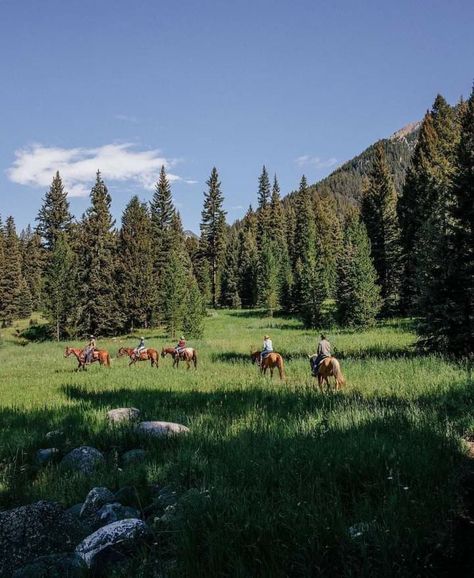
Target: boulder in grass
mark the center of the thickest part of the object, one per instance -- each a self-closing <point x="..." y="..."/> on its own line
<point x="133" y="457"/>
<point x="55" y="435"/>
<point x="113" y="543"/>
<point x="114" y="512"/>
<point x="55" y="566"/>
<point x="123" y="415"/>
<point x="83" y="459"/>
<point x="38" y="529"/>
<point x="45" y="456"/>
<point x="94" y="501"/>
<point x="161" y="428"/>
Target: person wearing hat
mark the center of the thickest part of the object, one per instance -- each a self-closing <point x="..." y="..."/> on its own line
<point x="140" y="347"/>
<point x="267" y="346"/>
<point x="90" y="348"/>
<point x="181" y="345"/>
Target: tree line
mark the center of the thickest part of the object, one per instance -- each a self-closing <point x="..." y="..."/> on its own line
<point x="407" y="252"/>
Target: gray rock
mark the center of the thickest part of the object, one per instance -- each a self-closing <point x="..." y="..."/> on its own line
<point x="54" y="435"/>
<point x="83" y="459"/>
<point x="35" y="530"/>
<point x="161" y="428"/>
<point x="112" y="542"/>
<point x="45" y="456"/>
<point x="115" y="512"/>
<point x="123" y="414"/>
<point x="94" y="501"/>
<point x="55" y="566"/>
<point x="133" y="457"/>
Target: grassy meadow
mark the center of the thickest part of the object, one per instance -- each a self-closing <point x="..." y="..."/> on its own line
<point x="275" y="479"/>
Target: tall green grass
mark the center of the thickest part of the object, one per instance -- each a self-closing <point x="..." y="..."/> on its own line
<point x="275" y="479"/>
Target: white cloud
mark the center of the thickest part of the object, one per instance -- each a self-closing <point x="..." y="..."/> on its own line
<point x="317" y="162"/>
<point x="35" y="166"/>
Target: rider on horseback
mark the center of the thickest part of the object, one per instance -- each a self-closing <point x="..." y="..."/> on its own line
<point x="324" y="350"/>
<point x="140" y="347"/>
<point x="89" y="350"/>
<point x="267" y="347"/>
<point x="181" y="346"/>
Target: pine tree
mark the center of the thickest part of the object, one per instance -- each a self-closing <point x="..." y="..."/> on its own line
<point x="161" y="212"/>
<point x="309" y="291"/>
<point x="447" y="296"/>
<point x="379" y="212"/>
<point x="173" y="293"/>
<point x="12" y="281"/>
<point x="264" y="209"/>
<point x="459" y="330"/>
<point x="33" y="264"/>
<point x="414" y="208"/>
<point x="230" y="274"/>
<point x="2" y="266"/>
<point x="54" y="217"/>
<point x="213" y="232"/>
<point x="98" y="292"/>
<point x="358" y="295"/>
<point x="328" y="241"/>
<point x="248" y="260"/>
<point x="137" y="284"/>
<point x="194" y="311"/>
<point x="59" y="282"/>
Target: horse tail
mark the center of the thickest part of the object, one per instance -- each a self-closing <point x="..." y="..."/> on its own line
<point x="107" y="359"/>
<point x="336" y="369"/>
<point x="195" y="359"/>
<point x="281" y="368"/>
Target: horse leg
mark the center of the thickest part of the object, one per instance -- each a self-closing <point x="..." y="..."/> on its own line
<point x="271" y="372"/>
<point x="320" y="383"/>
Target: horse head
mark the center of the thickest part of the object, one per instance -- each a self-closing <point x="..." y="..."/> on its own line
<point x="67" y="352"/>
<point x="121" y="352"/>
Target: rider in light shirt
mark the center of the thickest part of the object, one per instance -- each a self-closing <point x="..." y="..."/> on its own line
<point x="267" y="346"/>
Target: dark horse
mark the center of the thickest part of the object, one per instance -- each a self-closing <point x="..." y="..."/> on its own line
<point x="100" y="355"/>
<point x="189" y="355"/>
<point x="145" y="355"/>
<point x="270" y="361"/>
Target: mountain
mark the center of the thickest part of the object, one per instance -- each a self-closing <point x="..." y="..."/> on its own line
<point x="346" y="182"/>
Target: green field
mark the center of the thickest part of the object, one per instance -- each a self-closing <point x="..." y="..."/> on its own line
<point x="274" y="479"/>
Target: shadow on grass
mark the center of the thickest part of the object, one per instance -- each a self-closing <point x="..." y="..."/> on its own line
<point x="296" y="486"/>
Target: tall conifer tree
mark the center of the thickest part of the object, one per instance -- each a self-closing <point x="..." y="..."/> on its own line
<point x="358" y="295"/>
<point x="137" y="284"/>
<point x="54" y="217"/>
<point x="213" y="232"/>
<point x="98" y="296"/>
<point x="379" y="211"/>
<point x="12" y="283"/>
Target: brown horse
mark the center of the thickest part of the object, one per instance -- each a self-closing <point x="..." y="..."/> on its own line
<point x="189" y="355"/>
<point x="329" y="367"/>
<point x="100" y="355"/>
<point x="270" y="361"/>
<point x="145" y="355"/>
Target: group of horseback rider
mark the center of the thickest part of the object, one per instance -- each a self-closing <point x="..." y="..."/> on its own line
<point x="323" y="351"/>
<point x="139" y="349"/>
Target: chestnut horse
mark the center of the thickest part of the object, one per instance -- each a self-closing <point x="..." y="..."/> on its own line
<point x="189" y="355"/>
<point x="270" y="361"/>
<point x="100" y="355"/>
<point x="329" y="367"/>
<point x="145" y="355"/>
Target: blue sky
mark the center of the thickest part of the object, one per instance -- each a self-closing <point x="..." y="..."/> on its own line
<point x="299" y="86"/>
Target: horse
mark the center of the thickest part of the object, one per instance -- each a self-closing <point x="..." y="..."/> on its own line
<point x="329" y="367"/>
<point x="100" y="355"/>
<point x="189" y="355"/>
<point x="145" y="355"/>
<point x="270" y="361"/>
